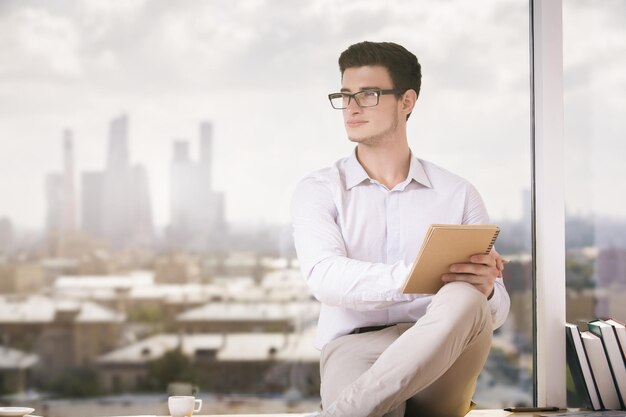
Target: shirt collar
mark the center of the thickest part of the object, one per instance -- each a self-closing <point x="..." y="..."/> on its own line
<point x="417" y="172"/>
<point x="355" y="173"/>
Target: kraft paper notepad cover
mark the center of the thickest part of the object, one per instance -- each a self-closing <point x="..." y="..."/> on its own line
<point x="444" y="245"/>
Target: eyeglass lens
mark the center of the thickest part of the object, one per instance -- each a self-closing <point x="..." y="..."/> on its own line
<point x="362" y="98"/>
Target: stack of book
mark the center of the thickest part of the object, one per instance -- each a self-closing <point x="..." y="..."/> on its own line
<point x="597" y="362"/>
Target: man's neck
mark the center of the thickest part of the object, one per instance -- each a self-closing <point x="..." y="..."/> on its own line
<point x="388" y="164"/>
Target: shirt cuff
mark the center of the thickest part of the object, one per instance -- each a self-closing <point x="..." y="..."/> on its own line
<point x="495" y="300"/>
<point x="499" y="304"/>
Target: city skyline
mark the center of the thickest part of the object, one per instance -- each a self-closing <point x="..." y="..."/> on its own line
<point x="195" y="119"/>
<point x="264" y="91"/>
<point x="113" y="205"/>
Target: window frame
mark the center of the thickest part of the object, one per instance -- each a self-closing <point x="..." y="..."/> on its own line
<point x="548" y="201"/>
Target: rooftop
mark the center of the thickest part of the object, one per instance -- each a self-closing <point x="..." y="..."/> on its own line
<point x="154" y="347"/>
<point x="263" y="311"/>
<point x="228" y="347"/>
<point x="16" y="359"/>
<point x="284" y="285"/>
<point x="131" y="280"/>
<point x="41" y="309"/>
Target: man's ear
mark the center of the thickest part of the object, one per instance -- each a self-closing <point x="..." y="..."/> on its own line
<point x="409" y="98"/>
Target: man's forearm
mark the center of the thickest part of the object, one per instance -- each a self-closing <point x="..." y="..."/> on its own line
<point x="358" y="285"/>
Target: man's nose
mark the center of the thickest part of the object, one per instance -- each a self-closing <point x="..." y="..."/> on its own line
<point x="353" y="108"/>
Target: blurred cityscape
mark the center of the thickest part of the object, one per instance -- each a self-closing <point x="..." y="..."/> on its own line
<point x="103" y="307"/>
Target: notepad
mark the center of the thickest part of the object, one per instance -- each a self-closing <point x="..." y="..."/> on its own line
<point x="444" y="245"/>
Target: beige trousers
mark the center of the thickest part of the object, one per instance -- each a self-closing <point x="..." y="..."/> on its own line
<point x="428" y="368"/>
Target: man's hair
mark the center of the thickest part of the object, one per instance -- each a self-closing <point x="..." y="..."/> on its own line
<point x="403" y="67"/>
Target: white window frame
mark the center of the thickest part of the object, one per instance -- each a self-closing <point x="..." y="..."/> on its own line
<point x="548" y="202"/>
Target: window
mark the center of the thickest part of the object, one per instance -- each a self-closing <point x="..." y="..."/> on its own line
<point x="191" y="186"/>
<point x="595" y="128"/>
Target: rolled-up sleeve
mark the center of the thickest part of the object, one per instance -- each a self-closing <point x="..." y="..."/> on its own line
<point x="333" y="278"/>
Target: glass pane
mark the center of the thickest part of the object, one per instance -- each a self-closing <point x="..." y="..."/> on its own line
<point x="594" y="41"/>
<point x="149" y="153"/>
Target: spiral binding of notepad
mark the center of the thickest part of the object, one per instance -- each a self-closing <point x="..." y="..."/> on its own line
<point x="493" y="241"/>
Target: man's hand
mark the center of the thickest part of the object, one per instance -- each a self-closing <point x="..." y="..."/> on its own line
<point x="481" y="272"/>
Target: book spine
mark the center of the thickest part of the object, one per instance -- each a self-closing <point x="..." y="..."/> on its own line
<point x="580" y="359"/>
<point x="614" y="359"/>
<point x="575" y="370"/>
<point x="620" y="335"/>
<point x="493" y="241"/>
<point x="601" y="371"/>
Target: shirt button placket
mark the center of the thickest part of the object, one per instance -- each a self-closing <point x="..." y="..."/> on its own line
<point x="393" y="228"/>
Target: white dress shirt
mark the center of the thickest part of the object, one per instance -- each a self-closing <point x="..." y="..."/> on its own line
<point x="356" y="241"/>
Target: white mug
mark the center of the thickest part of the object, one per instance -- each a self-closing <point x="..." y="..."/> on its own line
<point x="183" y="405"/>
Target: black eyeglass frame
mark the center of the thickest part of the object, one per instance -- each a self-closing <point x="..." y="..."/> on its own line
<point x="378" y="92"/>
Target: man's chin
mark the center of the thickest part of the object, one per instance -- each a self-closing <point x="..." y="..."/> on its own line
<point x="364" y="140"/>
<point x="355" y="137"/>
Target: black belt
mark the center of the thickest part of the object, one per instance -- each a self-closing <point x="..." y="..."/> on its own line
<point x="370" y="329"/>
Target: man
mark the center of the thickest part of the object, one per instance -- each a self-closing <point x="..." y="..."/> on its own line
<point x="358" y="226"/>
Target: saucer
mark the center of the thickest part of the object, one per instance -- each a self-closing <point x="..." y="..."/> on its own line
<point x="15" y="411"/>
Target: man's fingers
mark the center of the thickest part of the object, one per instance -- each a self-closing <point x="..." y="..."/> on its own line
<point x="470" y="278"/>
<point x="480" y="272"/>
<point x="476" y="269"/>
<point x="500" y="264"/>
<point x="483" y="259"/>
<point x="483" y="283"/>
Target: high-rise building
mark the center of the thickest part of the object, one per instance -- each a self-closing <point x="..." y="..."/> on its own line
<point x="206" y="152"/>
<point x="61" y="200"/>
<point x="92" y="207"/>
<point x="141" y="209"/>
<point x="69" y="195"/>
<point x="182" y="185"/>
<point x="118" y="190"/>
<point x="54" y="192"/>
<point x="6" y="234"/>
<point x="118" y="155"/>
<point x="197" y="212"/>
<point x="116" y="202"/>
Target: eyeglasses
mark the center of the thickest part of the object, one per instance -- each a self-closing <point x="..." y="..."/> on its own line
<point x="365" y="98"/>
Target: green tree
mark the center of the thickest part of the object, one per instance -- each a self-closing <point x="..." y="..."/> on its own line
<point x="146" y="314"/>
<point x="579" y="273"/>
<point x="76" y="382"/>
<point x="173" y="366"/>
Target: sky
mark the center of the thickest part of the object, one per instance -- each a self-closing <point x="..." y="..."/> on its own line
<point x="259" y="71"/>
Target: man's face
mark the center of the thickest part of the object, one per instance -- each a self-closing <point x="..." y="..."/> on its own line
<point x="370" y="125"/>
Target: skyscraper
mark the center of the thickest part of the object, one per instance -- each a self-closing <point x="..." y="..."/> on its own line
<point x="61" y="200"/>
<point x="182" y="185"/>
<point x="197" y="212"/>
<point x="206" y="153"/>
<point x="54" y="192"/>
<point x="6" y="234"/>
<point x="118" y="192"/>
<point x="118" y="155"/>
<point x="116" y="202"/>
<point x="92" y="203"/>
<point x="141" y="209"/>
<point x="69" y="195"/>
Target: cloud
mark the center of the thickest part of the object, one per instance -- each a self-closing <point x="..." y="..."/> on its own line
<point x="37" y="44"/>
<point x="260" y="69"/>
<point x="189" y="45"/>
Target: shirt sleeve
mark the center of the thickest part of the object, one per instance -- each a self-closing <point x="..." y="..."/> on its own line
<point x="499" y="304"/>
<point x="476" y="213"/>
<point x="335" y="279"/>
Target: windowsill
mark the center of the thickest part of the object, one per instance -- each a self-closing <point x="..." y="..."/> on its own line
<point x="473" y="413"/>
